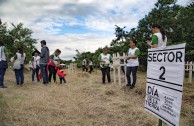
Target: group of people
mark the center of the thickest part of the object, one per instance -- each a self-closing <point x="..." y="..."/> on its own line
<point x="47" y="64"/>
<point x="85" y="65"/>
<point x="158" y="40"/>
<point x="44" y="62"/>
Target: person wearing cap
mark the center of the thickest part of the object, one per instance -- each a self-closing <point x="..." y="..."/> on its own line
<point x="44" y="60"/>
<point x="35" y="65"/>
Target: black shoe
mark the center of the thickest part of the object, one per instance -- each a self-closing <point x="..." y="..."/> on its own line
<point x="3" y="87"/>
<point x="128" y="85"/>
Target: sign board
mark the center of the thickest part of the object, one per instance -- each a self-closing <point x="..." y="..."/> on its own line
<point x="165" y="75"/>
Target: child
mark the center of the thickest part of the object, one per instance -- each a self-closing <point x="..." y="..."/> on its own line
<point x="61" y="75"/>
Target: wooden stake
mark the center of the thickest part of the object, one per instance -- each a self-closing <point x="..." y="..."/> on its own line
<point x="119" y="74"/>
<point x="190" y="71"/>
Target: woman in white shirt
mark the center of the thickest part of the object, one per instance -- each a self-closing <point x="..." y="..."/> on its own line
<point x="104" y="59"/>
<point x="19" y="73"/>
<point x="132" y="63"/>
<point x="53" y="65"/>
<point x="3" y="64"/>
<point x="35" y="65"/>
<point x="159" y="38"/>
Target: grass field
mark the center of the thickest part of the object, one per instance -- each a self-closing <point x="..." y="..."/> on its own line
<point x="84" y="101"/>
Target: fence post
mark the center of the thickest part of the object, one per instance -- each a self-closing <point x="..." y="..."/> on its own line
<point x="187" y="66"/>
<point x="190" y="71"/>
<point x="114" y="70"/>
<point x="125" y="67"/>
<point x="119" y="69"/>
<point x="119" y="74"/>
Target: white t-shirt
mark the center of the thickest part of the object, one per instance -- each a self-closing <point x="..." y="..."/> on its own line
<point x="84" y="62"/>
<point x="105" y="58"/>
<point x="161" y="43"/>
<point x="2" y="53"/>
<point x="132" y="62"/>
<point x="56" y="59"/>
<point x="91" y="63"/>
<point x="20" y="58"/>
<point x="36" y="61"/>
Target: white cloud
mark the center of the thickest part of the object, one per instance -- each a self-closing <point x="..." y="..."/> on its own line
<point x="48" y="18"/>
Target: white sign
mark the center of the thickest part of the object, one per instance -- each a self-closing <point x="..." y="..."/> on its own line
<point x="165" y="75"/>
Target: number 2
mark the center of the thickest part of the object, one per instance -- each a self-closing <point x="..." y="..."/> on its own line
<point x="161" y="76"/>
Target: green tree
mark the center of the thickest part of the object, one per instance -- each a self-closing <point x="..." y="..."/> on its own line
<point x="17" y="36"/>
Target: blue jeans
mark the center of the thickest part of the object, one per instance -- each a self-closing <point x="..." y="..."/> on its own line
<point x="134" y="72"/>
<point x="44" y="72"/>
<point x="2" y="74"/>
<point x="35" y="71"/>
<point x="19" y="74"/>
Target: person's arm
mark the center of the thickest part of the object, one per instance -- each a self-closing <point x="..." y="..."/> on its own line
<point x="32" y="62"/>
<point x="59" y="62"/>
<point x="99" y="59"/>
<point x="154" y="42"/>
<point x="52" y="58"/>
<point x="135" y="56"/>
<point x="43" y="51"/>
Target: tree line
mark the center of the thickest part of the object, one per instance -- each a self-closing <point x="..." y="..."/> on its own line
<point x="178" y="21"/>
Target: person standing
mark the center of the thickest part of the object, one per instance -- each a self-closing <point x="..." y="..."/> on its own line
<point x="159" y="38"/>
<point x="84" y="65"/>
<point x="53" y="65"/>
<point x="132" y="63"/>
<point x="3" y="64"/>
<point x="19" y="73"/>
<point x="35" y="65"/>
<point x="61" y="75"/>
<point x="105" y="58"/>
<point x="91" y="65"/>
<point x="44" y="59"/>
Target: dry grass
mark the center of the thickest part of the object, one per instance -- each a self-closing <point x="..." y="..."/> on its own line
<point x="84" y="101"/>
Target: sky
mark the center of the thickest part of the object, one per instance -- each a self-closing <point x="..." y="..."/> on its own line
<point x="70" y="25"/>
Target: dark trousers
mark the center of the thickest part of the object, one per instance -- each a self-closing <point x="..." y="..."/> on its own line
<point x="134" y="74"/>
<point x="84" y="68"/>
<point x="35" y="71"/>
<point x="52" y="72"/>
<point x="123" y="69"/>
<point x="62" y="79"/>
<point x="105" y="72"/>
<point x="19" y="74"/>
<point x="43" y="68"/>
<point x="2" y="74"/>
<point x="91" y="69"/>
